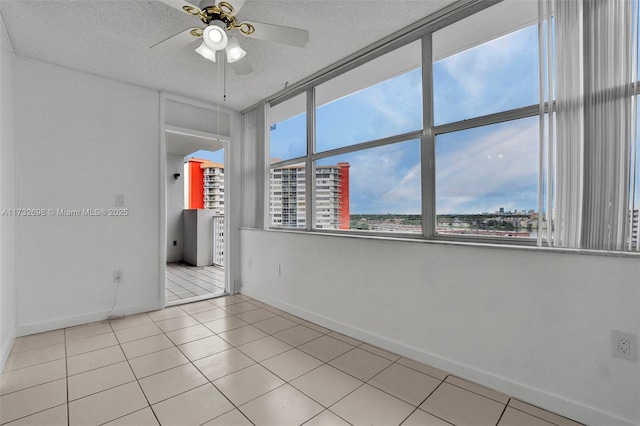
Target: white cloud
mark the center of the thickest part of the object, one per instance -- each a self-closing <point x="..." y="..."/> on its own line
<point x="406" y="195"/>
<point x="398" y="104"/>
<point x="501" y="165"/>
<point x="483" y="79"/>
<point x="385" y="179"/>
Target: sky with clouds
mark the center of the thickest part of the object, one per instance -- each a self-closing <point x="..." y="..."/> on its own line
<point x="477" y="170"/>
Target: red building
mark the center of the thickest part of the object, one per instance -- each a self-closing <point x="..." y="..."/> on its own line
<point x="205" y="185"/>
<point x="344" y="196"/>
<point x="195" y="173"/>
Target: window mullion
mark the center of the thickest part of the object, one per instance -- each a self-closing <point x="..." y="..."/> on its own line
<point x="486" y="120"/>
<point x="310" y="181"/>
<point x="368" y="145"/>
<point x="427" y="145"/>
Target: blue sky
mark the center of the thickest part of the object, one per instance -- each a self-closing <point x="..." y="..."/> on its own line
<point x="477" y="170"/>
<point x="215" y="156"/>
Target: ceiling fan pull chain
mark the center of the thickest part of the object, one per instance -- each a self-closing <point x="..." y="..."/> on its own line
<point x="218" y="95"/>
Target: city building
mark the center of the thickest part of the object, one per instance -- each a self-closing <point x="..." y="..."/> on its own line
<point x="287" y="202"/>
<point x="204" y="189"/>
<point x="204" y="181"/>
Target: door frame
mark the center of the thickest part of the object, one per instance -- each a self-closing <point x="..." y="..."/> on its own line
<point x="231" y="183"/>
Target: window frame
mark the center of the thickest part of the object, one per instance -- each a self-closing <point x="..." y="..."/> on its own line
<point x="422" y="30"/>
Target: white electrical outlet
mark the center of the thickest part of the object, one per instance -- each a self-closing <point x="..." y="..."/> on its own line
<point x="278" y="271"/>
<point x="624" y="345"/>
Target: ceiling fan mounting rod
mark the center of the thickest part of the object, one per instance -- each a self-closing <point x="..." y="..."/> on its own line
<point x="222" y="12"/>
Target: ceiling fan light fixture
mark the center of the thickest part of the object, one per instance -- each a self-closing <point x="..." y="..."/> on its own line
<point x="234" y="51"/>
<point x="207" y="53"/>
<point x="215" y="36"/>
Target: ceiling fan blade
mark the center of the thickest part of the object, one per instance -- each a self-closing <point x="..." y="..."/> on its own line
<point x="279" y="34"/>
<point x="180" y="5"/>
<point x="242" y="67"/>
<point x="175" y="42"/>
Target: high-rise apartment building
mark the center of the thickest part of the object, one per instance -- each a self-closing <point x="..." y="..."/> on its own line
<point x="205" y="181"/>
<point x="205" y="190"/>
<point x="214" y="186"/>
<point x="288" y="205"/>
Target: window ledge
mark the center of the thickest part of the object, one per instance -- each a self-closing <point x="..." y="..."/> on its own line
<point x="447" y="242"/>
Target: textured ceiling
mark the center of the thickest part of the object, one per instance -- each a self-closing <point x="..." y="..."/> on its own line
<point x="111" y="38"/>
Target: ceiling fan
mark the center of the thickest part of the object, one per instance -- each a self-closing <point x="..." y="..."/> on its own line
<point x="220" y="18"/>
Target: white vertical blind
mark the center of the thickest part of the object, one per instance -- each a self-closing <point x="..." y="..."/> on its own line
<point x="253" y="170"/>
<point x="592" y="145"/>
<point x="570" y="124"/>
<point x="608" y="41"/>
<point x="634" y="173"/>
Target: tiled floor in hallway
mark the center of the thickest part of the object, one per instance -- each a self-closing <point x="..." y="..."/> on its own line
<point x="184" y="282"/>
<point x="235" y="361"/>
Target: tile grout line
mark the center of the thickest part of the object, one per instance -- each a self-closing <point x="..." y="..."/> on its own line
<point x="136" y="380"/>
<point x="428" y="396"/>
<point x="66" y="371"/>
<point x="189" y="362"/>
<point x="188" y="274"/>
<point x="192" y="362"/>
<point x="538" y="417"/>
<point x="256" y="362"/>
<point x="502" y="413"/>
<point x="40" y="384"/>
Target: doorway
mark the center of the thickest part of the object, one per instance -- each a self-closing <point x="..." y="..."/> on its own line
<point x="195" y="255"/>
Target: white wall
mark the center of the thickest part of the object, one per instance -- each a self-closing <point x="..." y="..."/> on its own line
<point x="198" y="247"/>
<point x="175" y="205"/>
<point x="532" y="323"/>
<point x="7" y="199"/>
<point x="81" y="140"/>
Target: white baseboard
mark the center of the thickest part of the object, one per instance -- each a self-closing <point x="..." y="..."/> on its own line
<point x="40" y="327"/>
<point x="5" y="349"/>
<point x="538" y="397"/>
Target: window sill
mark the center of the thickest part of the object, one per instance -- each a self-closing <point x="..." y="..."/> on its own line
<point x="439" y="240"/>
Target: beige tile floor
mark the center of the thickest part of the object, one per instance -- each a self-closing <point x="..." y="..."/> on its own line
<point x="184" y="282"/>
<point x="235" y="361"/>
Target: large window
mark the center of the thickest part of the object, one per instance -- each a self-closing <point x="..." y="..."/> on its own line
<point x="389" y="108"/>
<point x="376" y="189"/>
<point x="486" y="140"/>
<point x="519" y="136"/>
<point x="498" y="75"/>
<point x="288" y="131"/>
<point x="366" y="162"/>
<point x="288" y="145"/>
<point x="487" y="180"/>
